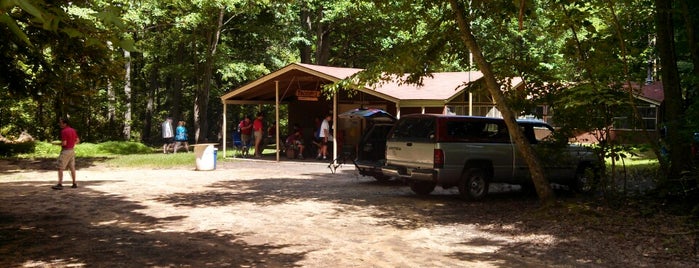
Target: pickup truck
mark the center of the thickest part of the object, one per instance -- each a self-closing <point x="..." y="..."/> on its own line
<point x="471" y="152"/>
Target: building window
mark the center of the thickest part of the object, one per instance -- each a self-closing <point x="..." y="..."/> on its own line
<point x="649" y="119"/>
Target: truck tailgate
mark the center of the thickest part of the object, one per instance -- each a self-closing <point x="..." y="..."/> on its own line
<point x="410" y="154"/>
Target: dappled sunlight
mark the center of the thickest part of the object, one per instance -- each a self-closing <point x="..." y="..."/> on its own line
<point x="243" y="215"/>
<point x="71" y="262"/>
<point x="82" y="227"/>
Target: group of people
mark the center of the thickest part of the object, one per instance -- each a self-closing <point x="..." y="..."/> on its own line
<point x="173" y="140"/>
<point x="249" y="130"/>
<point x="294" y="142"/>
<point x="321" y="138"/>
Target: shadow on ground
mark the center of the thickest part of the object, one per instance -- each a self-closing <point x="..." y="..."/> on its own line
<point x="16" y="165"/>
<point x="506" y="212"/>
<point x="84" y="227"/>
<point x="100" y="229"/>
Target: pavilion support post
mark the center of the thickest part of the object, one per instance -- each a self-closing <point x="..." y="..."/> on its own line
<point x="335" y="124"/>
<point x="224" y="129"/>
<point x="470" y="103"/>
<point x="276" y="114"/>
<point x="397" y="110"/>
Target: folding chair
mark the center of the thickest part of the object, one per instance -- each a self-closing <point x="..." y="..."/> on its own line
<point x="347" y="153"/>
<point x="238" y="144"/>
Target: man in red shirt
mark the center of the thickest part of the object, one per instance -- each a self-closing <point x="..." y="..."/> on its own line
<point x="245" y="127"/>
<point x="257" y="128"/>
<point x="69" y="137"/>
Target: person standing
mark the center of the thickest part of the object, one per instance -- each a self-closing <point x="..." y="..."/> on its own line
<point x="258" y="130"/>
<point x="325" y="137"/>
<point x="271" y="134"/>
<point x="168" y="134"/>
<point x="66" y="159"/>
<point x="181" y="139"/>
<point x="245" y="128"/>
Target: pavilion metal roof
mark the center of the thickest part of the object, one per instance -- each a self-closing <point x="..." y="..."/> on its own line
<point x="435" y="90"/>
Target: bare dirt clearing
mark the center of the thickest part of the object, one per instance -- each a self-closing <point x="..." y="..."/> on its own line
<point x="268" y="214"/>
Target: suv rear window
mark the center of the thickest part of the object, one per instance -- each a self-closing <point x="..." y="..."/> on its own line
<point x="414" y="129"/>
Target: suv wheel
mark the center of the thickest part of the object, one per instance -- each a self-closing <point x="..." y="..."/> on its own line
<point x="422" y="187"/>
<point x="585" y="180"/>
<point x="474" y="184"/>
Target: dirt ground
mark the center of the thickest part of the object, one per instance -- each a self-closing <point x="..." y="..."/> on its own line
<point x="268" y="214"/>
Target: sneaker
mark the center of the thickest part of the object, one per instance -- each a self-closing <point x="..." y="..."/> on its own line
<point x="74" y="186"/>
<point x="57" y="187"/>
<point x="325" y="158"/>
<point x="301" y="157"/>
<point x="318" y="157"/>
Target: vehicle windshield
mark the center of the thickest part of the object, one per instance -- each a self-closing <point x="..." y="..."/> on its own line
<point x="537" y="133"/>
<point x="542" y="133"/>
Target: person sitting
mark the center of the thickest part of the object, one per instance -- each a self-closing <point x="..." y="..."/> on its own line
<point x="294" y="144"/>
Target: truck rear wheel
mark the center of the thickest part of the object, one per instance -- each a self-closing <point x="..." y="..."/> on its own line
<point x="586" y="179"/>
<point x="422" y="187"/>
<point x="474" y="184"/>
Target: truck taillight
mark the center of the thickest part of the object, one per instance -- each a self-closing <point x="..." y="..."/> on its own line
<point x="438" y="158"/>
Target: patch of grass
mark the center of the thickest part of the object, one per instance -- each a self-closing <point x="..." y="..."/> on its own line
<point x="119" y="154"/>
<point x="112" y="148"/>
<point x="154" y="160"/>
<point x="123" y="148"/>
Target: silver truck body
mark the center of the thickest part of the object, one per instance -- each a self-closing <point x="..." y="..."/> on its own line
<point x="440" y="150"/>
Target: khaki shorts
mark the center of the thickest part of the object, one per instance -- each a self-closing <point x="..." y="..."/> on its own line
<point x="66" y="159"/>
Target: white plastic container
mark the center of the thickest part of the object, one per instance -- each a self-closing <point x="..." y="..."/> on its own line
<point x="205" y="154"/>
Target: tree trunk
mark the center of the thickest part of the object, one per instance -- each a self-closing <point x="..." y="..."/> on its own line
<point x="322" y="55"/>
<point x="693" y="44"/>
<point x="307" y="26"/>
<point x="177" y="84"/>
<point x="111" y="104"/>
<point x="690" y="22"/>
<point x="201" y="102"/>
<point x="674" y="110"/>
<point x="323" y="46"/>
<point x="543" y="188"/>
<point x="152" y="88"/>
<point x="127" y="95"/>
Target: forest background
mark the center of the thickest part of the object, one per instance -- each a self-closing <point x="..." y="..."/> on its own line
<point x="118" y="67"/>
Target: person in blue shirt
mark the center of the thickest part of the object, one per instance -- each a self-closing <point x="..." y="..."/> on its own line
<point x="181" y="137"/>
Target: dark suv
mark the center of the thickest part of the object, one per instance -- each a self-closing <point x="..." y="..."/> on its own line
<point x="369" y="151"/>
<point x="470" y="152"/>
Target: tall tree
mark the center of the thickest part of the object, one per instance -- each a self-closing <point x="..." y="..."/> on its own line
<point x="543" y="188"/>
<point x="57" y="53"/>
<point x="674" y="105"/>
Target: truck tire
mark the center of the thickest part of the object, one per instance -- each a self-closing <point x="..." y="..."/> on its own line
<point x="586" y="179"/>
<point x="422" y="187"/>
<point x="474" y="184"/>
